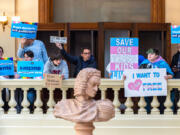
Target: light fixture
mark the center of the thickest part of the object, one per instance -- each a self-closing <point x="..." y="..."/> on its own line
<point x="3" y="21"/>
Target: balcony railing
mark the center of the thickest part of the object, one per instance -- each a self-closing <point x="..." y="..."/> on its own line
<point x="115" y="85"/>
<point x="131" y="114"/>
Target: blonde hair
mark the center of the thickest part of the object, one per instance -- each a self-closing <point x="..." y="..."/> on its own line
<point x="82" y="79"/>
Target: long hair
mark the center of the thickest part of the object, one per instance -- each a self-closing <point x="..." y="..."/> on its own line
<point x="82" y="79"/>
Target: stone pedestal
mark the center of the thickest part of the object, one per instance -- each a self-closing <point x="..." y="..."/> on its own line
<point x="84" y="128"/>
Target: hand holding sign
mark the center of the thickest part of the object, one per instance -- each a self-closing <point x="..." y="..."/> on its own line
<point x="54" y="39"/>
<point x="59" y="45"/>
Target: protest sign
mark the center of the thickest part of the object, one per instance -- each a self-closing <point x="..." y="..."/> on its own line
<point x="123" y="55"/>
<point x="175" y="34"/>
<point x="30" y="68"/>
<point x="53" y="80"/>
<point x="55" y="39"/>
<point x="6" y="66"/>
<point x="145" y="82"/>
<point x="23" y="30"/>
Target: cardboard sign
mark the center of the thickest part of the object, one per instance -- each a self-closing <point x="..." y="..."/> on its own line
<point x="53" y="80"/>
<point x="6" y="66"/>
<point x="23" y="30"/>
<point x="145" y="82"/>
<point x="30" y="68"/>
<point x="123" y="55"/>
<point x="54" y="39"/>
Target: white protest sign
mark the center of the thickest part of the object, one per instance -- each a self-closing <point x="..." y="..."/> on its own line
<point x="55" y="39"/>
<point x="145" y="82"/>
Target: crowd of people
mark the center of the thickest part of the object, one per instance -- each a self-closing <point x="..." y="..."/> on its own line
<point x="34" y="50"/>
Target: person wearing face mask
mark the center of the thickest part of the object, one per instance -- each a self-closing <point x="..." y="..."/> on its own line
<point x="36" y="46"/>
<point x="56" y="65"/>
<point x="85" y="60"/>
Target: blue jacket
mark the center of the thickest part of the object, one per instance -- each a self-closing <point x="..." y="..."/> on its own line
<point x="159" y="63"/>
<point x="79" y="62"/>
<point x="38" y="48"/>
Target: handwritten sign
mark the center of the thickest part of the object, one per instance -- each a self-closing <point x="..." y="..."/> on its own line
<point x="30" y="68"/>
<point x="54" y="39"/>
<point x="53" y="80"/>
<point x="175" y="34"/>
<point x="23" y="30"/>
<point x="145" y="82"/>
<point x="123" y="55"/>
<point x="6" y="66"/>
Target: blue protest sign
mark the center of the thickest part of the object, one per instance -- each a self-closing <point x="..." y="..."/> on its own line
<point x="175" y="34"/>
<point x="6" y="66"/>
<point x="30" y="68"/>
<point x="23" y="30"/>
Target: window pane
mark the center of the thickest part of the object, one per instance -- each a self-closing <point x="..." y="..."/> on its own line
<point x="102" y="10"/>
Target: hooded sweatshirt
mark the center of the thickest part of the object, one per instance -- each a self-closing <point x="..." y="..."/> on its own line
<point x="158" y="63"/>
<point x="61" y="69"/>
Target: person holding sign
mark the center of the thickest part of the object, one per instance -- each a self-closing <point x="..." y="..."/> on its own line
<point x="55" y="65"/>
<point x="31" y="95"/>
<point x="154" y="60"/>
<point x="83" y="61"/>
<point x="36" y="46"/>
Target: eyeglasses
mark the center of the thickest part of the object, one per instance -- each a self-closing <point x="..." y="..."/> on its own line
<point x="86" y="53"/>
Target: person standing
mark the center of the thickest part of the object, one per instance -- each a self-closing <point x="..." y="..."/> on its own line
<point x="36" y="46"/>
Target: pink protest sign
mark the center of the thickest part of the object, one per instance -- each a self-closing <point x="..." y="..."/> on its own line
<point x="123" y="55"/>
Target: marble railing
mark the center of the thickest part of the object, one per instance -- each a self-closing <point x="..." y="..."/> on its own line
<point x="115" y="85"/>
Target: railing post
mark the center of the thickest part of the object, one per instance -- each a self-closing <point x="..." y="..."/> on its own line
<point x="51" y="101"/>
<point x="103" y="92"/>
<point x="1" y="102"/>
<point x="168" y="103"/>
<point x="64" y="92"/>
<point x="129" y="105"/>
<point x="38" y="102"/>
<point x="142" y="104"/>
<point x="116" y="100"/>
<point x="12" y="102"/>
<point x="178" y="104"/>
<point x="25" y="102"/>
<point x="155" y="104"/>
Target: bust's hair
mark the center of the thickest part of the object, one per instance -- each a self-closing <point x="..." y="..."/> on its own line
<point x="82" y="78"/>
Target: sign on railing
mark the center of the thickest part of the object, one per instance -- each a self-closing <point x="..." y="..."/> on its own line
<point x="145" y="82"/>
<point x="53" y="80"/>
<point x="30" y="68"/>
<point x="6" y="66"/>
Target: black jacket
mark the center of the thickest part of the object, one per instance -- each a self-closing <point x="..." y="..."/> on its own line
<point x="79" y="62"/>
<point x="175" y="63"/>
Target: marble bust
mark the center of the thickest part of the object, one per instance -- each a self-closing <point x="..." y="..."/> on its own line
<point x="84" y="110"/>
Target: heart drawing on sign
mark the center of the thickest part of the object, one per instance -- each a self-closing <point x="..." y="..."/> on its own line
<point x="136" y="85"/>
